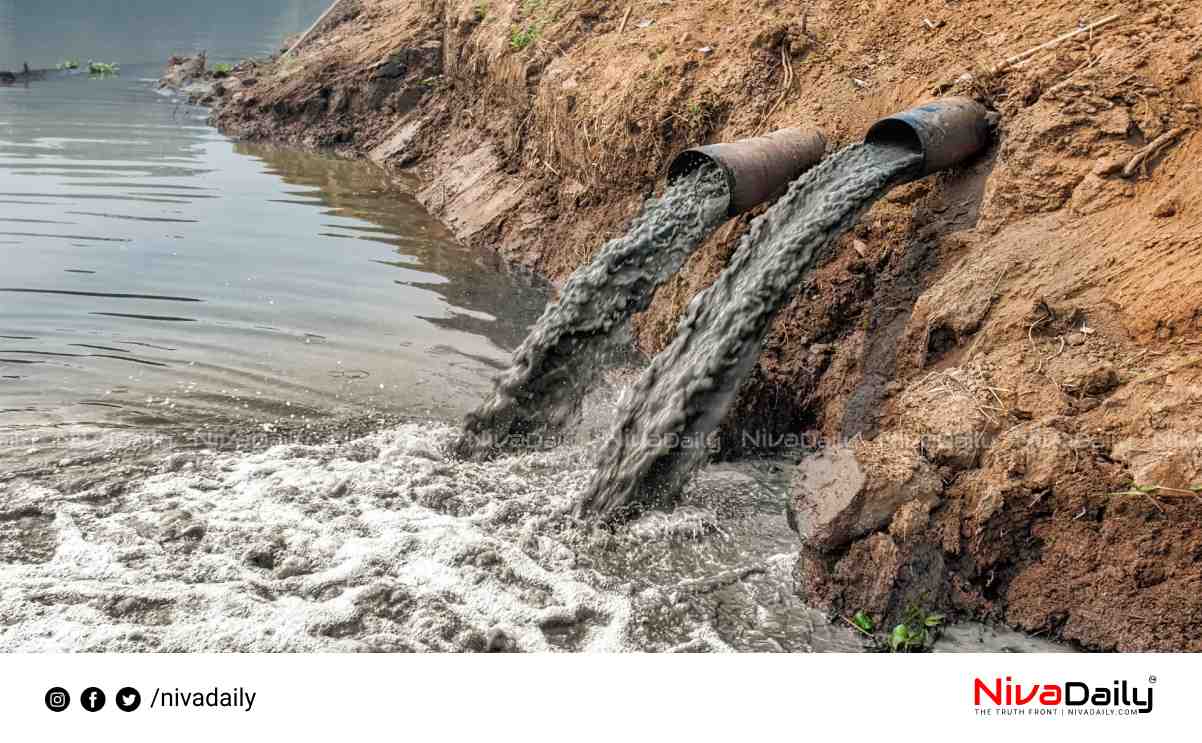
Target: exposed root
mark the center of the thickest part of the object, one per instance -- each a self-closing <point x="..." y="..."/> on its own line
<point x="1021" y="57"/>
<point x="1139" y="160"/>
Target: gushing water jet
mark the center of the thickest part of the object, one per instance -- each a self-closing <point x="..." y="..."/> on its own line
<point x="542" y="389"/>
<point x="664" y="426"/>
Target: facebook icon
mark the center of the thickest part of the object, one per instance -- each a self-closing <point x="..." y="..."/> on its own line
<point x="92" y="699"/>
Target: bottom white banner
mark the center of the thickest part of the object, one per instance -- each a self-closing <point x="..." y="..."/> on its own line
<point x="545" y="697"/>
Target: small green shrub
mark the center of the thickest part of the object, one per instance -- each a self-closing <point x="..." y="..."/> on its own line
<point x="520" y="38"/>
<point x="222" y="69"/>
<point x="917" y="631"/>
<point x="68" y="64"/>
<point x="103" y="69"/>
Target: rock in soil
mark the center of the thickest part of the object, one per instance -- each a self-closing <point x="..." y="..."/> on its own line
<point x="846" y="492"/>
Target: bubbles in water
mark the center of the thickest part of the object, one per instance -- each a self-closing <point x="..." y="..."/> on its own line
<point x="385" y="543"/>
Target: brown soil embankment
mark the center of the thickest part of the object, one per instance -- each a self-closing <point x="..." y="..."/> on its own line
<point x="1015" y="341"/>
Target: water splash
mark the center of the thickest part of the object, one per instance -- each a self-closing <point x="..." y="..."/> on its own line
<point x="387" y="543"/>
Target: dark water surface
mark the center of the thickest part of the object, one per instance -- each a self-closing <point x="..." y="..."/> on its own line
<point x="153" y="272"/>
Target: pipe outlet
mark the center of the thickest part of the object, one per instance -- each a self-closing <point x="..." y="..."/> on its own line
<point x="946" y="131"/>
<point x="758" y="168"/>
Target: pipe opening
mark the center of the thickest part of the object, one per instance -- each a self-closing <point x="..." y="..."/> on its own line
<point x="687" y="162"/>
<point x="756" y="169"/>
<point x="690" y="161"/>
<point x="945" y="132"/>
<point x="897" y="133"/>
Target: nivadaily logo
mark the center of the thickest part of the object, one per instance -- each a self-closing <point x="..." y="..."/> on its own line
<point x="1063" y="698"/>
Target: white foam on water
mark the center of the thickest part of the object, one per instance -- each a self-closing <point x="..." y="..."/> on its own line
<point x="305" y="548"/>
<point x="383" y="543"/>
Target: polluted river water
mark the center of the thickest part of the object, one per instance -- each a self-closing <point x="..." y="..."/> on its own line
<point x="161" y="280"/>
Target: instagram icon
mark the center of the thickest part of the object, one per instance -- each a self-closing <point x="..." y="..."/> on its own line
<point x="57" y="699"/>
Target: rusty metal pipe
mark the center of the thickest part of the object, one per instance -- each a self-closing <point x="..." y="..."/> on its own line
<point x="946" y="131"/>
<point x="758" y="168"/>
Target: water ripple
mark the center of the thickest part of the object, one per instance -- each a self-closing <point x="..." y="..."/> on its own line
<point x="107" y="295"/>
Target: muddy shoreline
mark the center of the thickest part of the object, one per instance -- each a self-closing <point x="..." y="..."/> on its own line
<point x="1028" y="425"/>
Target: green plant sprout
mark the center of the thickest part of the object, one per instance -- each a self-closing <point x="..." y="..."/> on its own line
<point x="520" y="38"/>
<point x="862" y="622"/>
<point x="103" y="69"/>
<point x="918" y="630"/>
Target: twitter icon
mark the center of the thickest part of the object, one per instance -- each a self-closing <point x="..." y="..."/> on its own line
<point x="128" y="699"/>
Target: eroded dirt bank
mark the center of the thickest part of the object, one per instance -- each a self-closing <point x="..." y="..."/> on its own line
<point x="1016" y="343"/>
